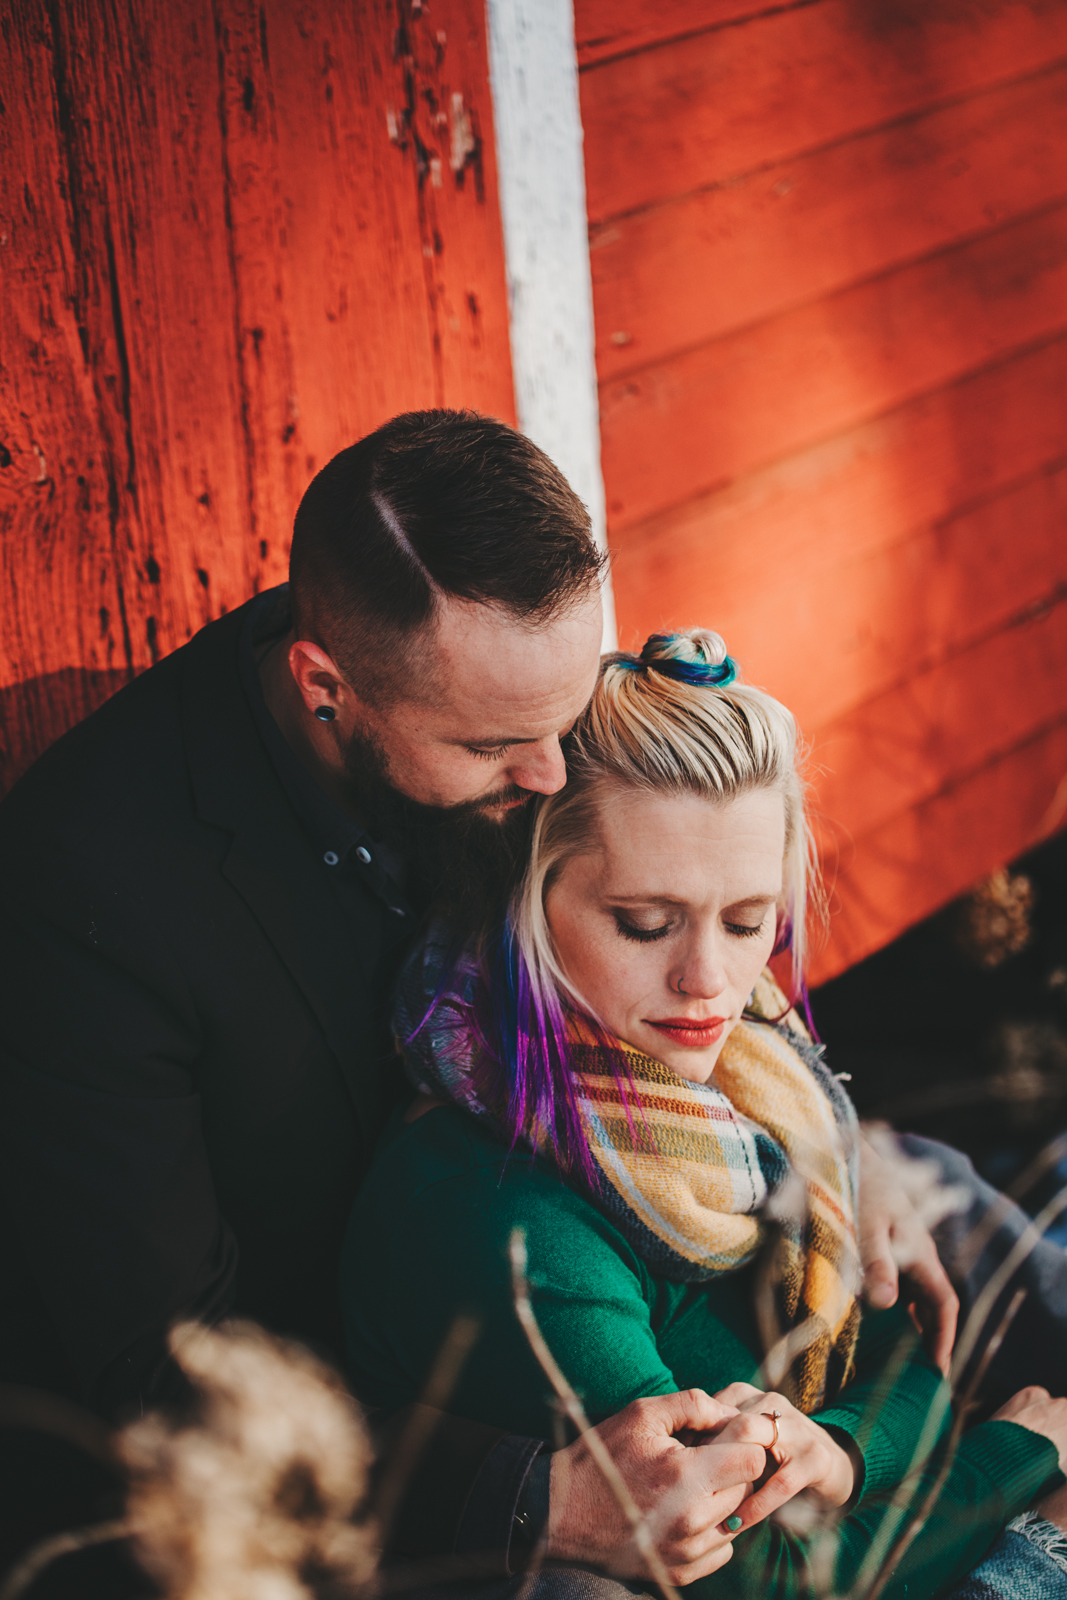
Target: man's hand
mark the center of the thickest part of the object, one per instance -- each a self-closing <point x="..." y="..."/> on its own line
<point x="894" y="1240"/>
<point x="686" y="1491"/>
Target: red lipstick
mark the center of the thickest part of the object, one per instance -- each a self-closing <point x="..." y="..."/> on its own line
<point x="693" y="1033"/>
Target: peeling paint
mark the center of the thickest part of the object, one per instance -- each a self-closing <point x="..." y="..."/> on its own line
<point x="464" y="143"/>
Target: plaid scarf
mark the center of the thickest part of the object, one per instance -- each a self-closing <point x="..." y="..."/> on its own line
<point x="701" y="1178"/>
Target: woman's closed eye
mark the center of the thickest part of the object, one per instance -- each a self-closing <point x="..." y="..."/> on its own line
<point x="638" y="935"/>
<point x="745" y="930"/>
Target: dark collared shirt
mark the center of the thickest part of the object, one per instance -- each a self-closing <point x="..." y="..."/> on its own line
<point x="364" y="874"/>
<point x="347" y="849"/>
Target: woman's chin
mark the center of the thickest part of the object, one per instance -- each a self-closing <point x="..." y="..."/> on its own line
<point x="694" y="1061"/>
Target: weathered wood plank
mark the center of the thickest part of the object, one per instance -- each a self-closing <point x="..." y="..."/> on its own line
<point x="247" y="235"/>
<point x="925" y="857"/>
<point x="712" y="414"/>
<point x="837" y="504"/>
<point x="605" y="28"/>
<point x="361" y="181"/>
<point x="709" y="109"/>
<point x="692" y="269"/>
<point x="884" y="614"/>
<point x="900" y="749"/>
<point x="144" y="160"/>
<point x="63" y="458"/>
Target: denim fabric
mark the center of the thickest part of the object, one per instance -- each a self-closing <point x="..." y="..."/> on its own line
<point x="1028" y="1562"/>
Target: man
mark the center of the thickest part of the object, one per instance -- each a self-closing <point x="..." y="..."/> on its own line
<point x="206" y="889"/>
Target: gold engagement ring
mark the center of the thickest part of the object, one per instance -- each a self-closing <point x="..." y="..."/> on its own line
<point x="772" y="1447"/>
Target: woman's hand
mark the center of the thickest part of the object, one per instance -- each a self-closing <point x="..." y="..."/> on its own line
<point x="807" y="1456"/>
<point x="1035" y="1409"/>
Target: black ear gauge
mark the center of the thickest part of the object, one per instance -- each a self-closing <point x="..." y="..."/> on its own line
<point x="325" y="713"/>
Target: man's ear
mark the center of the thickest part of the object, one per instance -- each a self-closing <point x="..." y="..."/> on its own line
<point x="316" y="675"/>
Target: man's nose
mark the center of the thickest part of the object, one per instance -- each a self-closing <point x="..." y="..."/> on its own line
<point x="540" y="767"/>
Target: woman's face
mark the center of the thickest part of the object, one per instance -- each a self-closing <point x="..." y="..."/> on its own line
<point x="665" y="926"/>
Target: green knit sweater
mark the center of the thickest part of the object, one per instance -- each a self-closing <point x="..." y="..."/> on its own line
<point x="428" y="1241"/>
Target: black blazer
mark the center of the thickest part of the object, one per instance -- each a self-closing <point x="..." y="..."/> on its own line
<point x="191" y="1048"/>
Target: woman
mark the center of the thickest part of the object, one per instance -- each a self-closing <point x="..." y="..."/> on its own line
<point x="618" y="1076"/>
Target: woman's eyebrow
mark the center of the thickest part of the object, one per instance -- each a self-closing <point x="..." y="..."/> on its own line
<point x="647" y="899"/>
<point x="750" y="902"/>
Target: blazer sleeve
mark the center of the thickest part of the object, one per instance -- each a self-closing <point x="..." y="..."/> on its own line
<point x="105" y="1178"/>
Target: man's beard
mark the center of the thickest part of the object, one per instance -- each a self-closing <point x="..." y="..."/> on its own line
<point x="462" y="861"/>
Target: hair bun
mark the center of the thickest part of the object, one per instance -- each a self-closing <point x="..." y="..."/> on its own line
<point x="697" y="656"/>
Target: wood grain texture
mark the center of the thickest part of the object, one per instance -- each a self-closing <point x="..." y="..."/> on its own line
<point x="887" y="880"/>
<point x="889" y="613"/>
<point x="900" y="748"/>
<point x="843" y="513"/>
<point x="711" y="108"/>
<point x="829" y="252"/>
<point x="237" y="237"/>
<point x="607" y="28"/>
<point x="708" y="416"/>
<point x="689" y="270"/>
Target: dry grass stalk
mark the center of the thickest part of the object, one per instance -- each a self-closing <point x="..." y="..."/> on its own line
<point x="51" y="1549"/>
<point x="964" y="1408"/>
<point x="573" y="1408"/>
<point x="254" y="1497"/>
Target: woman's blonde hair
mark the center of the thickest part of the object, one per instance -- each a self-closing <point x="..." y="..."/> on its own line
<point x="672" y="720"/>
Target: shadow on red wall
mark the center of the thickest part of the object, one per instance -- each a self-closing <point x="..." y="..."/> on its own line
<point x="35" y="713"/>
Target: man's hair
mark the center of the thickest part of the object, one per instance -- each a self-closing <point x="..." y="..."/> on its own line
<point x="432" y="504"/>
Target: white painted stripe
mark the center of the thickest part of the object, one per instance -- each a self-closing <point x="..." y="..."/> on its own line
<point x="534" y="75"/>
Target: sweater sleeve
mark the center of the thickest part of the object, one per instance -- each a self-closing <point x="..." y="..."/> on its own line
<point x="897" y="1409"/>
<point x="997" y="1471"/>
<point x="586" y="1292"/>
<point x="895" y="1405"/>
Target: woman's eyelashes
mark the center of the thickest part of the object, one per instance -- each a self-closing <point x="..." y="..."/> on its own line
<point x="640" y="935"/>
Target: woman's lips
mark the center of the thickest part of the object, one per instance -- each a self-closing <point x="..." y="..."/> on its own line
<point x="685" y="1031"/>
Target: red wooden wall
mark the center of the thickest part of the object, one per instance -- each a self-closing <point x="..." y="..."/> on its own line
<point x="829" y="252"/>
<point x="234" y="238"/>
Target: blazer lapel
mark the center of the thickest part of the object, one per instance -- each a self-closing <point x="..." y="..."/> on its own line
<point x="272" y="863"/>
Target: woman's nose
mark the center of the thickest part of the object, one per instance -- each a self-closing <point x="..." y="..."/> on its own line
<point x="701" y="974"/>
<point x="540" y="767"/>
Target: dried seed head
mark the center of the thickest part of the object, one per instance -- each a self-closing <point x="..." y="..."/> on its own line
<point x="993" y="921"/>
<point x="255" y="1497"/>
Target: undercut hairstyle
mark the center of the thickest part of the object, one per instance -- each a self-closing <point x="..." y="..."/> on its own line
<point x="433" y="504"/>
